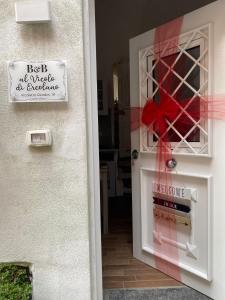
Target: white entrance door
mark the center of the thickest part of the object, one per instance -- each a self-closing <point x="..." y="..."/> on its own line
<point x="191" y="245"/>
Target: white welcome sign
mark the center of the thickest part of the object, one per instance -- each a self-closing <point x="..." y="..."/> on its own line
<point x="174" y="191"/>
<point x="40" y="81"/>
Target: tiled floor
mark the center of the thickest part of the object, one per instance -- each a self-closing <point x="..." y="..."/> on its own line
<point x="121" y="269"/>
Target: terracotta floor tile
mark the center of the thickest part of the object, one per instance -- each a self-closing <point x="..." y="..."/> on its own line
<point x="119" y="278"/>
<point x="115" y="261"/>
<point x="152" y="277"/>
<point x="140" y="272"/>
<point x="150" y="284"/>
<point x="123" y="255"/>
<point x="106" y="267"/>
<point x="135" y="262"/>
<point x="136" y="267"/>
<point x="113" y="272"/>
<point x="108" y="248"/>
<point x="124" y="250"/>
<point x="113" y="285"/>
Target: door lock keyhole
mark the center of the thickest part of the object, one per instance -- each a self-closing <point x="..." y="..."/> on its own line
<point x="135" y="154"/>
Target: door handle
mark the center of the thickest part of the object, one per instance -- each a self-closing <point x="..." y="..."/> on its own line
<point x="134" y="154"/>
<point x="171" y="163"/>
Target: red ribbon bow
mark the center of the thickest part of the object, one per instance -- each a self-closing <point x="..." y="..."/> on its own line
<point x="157" y="113"/>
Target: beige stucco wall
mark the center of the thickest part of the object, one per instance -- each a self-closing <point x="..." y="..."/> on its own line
<point x="43" y="193"/>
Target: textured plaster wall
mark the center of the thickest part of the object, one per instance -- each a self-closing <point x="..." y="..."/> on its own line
<point x="43" y="193"/>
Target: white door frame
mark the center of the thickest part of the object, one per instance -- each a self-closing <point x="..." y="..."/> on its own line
<point x="90" y="66"/>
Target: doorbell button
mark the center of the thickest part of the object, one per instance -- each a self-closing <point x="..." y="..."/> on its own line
<point x="39" y="138"/>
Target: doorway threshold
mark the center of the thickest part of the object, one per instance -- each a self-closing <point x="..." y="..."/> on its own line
<point x="184" y="293"/>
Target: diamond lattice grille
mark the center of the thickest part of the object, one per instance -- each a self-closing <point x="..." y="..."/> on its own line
<point x="188" y="75"/>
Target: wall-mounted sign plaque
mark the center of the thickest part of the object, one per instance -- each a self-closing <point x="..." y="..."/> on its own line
<point x="44" y="81"/>
<point x="174" y="191"/>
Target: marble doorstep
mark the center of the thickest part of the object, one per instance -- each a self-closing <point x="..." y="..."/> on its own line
<point x="183" y="293"/>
